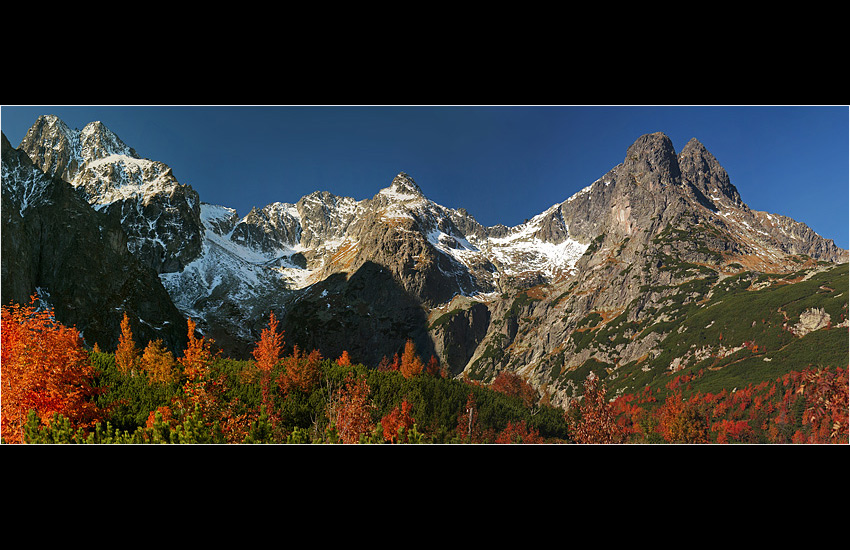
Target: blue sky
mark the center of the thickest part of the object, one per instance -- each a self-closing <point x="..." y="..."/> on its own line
<point x="502" y="163"/>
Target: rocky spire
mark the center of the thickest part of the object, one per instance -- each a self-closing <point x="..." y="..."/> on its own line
<point x="704" y="172"/>
<point x="651" y="161"/>
<point x="52" y="146"/>
<point x="63" y="152"/>
<point x="97" y="141"/>
<point x="403" y="184"/>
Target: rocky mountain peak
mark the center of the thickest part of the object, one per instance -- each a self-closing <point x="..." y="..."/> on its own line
<point x="403" y="186"/>
<point x="97" y="141"/>
<point x="52" y="146"/>
<point x="63" y="152"/>
<point x="706" y="175"/>
<point x="651" y="161"/>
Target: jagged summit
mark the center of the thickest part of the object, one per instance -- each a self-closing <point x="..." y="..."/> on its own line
<point x="705" y="173"/>
<point x="75" y="258"/>
<point x="52" y="146"/>
<point x="160" y="216"/>
<point x="63" y="152"/>
<point x="403" y="186"/>
<point x="97" y="142"/>
<point x="651" y="161"/>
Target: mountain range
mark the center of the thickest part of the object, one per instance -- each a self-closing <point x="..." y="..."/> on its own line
<point x="613" y="280"/>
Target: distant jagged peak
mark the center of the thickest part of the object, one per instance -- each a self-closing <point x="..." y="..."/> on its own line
<point x="60" y="151"/>
<point x="50" y="125"/>
<point x="94" y="141"/>
<point x="702" y="170"/>
<point x="651" y="160"/>
<point x="97" y="141"/>
<point x="52" y="146"/>
<point x="403" y="187"/>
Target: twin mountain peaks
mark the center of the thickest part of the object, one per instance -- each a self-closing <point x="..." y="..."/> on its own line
<point x="97" y="230"/>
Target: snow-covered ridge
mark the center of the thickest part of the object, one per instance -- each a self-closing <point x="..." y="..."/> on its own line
<point x="244" y="276"/>
<point x="522" y="249"/>
<point x="219" y="229"/>
<point x="119" y="177"/>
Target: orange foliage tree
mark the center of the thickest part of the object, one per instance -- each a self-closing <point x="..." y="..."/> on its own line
<point x="126" y="354"/>
<point x="510" y="383"/>
<point x="267" y="354"/>
<point x="733" y="431"/>
<point x="44" y="369"/>
<point x="519" y="432"/>
<point x="411" y="364"/>
<point x="299" y="371"/>
<point x="198" y="354"/>
<point x="351" y="412"/>
<point x="680" y="421"/>
<point x="344" y="359"/>
<point x="596" y="422"/>
<point x="434" y="369"/>
<point x="398" y="418"/>
<point x="158" y="362"/>
<point x="196" y="360"/>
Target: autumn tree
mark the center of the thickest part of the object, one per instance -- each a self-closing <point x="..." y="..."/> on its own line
<point x="733" y="431"/>
<point x="384" y="364"/>
<point x="45" y="369"/>
<point x="826" y="398"/>
<point x="510" y="383"/>
<point x="398" y="422"/>
<point x="351" y="411"/>
<point x="434" y="369"/>
<point x="267" y="354"/>
<point x="344" y="359"/>
<point x="595" y="422"/>
<point x="411" y="364"/>
<point x="518" y="432"/>
<point x="680" y="421"/>
<point x="267" y="351"/>
<point x="127" y="354"/>
<point x="299" y="371"/>
<point x="198" y="354"/>
<point x="158" y="362"/>
<point x="196" y="361"/>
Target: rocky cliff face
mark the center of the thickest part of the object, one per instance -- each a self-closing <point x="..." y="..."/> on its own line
<point x="77" y="260"/>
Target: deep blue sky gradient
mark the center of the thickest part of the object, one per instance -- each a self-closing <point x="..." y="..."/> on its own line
<point x="504" y="164"/>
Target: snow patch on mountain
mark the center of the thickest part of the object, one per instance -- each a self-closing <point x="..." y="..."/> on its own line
<point x="521" y="251"/>
<point x="242" y="275"/>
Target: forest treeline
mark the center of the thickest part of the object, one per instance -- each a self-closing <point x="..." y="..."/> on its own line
<point x="55" y="390"/>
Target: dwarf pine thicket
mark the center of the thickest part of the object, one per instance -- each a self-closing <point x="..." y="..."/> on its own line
<point x="56" y="391"/>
